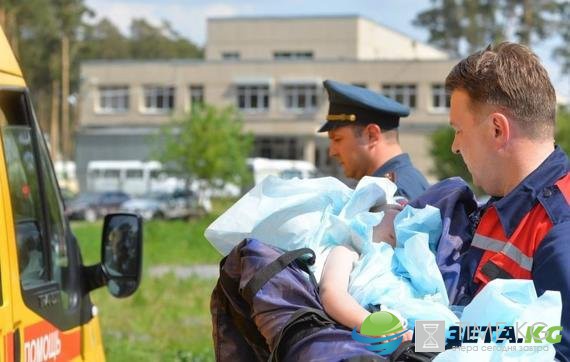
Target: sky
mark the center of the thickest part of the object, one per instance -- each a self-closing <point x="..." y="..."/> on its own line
<point x="188" y="17"/>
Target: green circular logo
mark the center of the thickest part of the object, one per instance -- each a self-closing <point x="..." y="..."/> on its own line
<point x="380" y="324"/>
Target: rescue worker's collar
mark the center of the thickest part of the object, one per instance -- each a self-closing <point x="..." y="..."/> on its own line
<point x="514" y="206"/>
<point x="402" y="160"/>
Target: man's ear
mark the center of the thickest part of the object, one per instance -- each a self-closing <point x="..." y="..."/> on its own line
<point x="501" y="128"/>
<point x="373" y="133"/>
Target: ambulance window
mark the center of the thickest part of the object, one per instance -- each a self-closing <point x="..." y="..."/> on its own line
<point x="26" y="208"/>
<point x="59" y="251"/>
<point x="48" y="275"/>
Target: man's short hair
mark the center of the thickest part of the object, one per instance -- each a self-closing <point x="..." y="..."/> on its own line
<point x="510" y="76"/>
<point x="391" y="135"/>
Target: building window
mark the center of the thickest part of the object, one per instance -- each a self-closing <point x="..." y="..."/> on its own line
<point x="440" y="99"/>
<point x="158" y="99"/>
<point x="403" y="93"/>
<point x="253" y="97"/>
<point x="196" y="94"/>
<point x="113" y="99"/>
<point x="230" y="55"/>
<point x="278" y="148"/>
<point x="300" y="97"/>
<point x="295" y="55"/>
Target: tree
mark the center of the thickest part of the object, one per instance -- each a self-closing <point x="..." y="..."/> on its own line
<point x="562" y="52"/>
<point x="163" y="42"/>
<point x="530" y="18"/>
<point x="446" y="163"/>
<point x="69" y="14"/>
<point x="563" y="128"/>
<point x="443" y="23"/>
<point x="207" y="144"/>
<point x="31" y="27"/>
<point x="461" y="26"/>
<point x="103" y="40"/>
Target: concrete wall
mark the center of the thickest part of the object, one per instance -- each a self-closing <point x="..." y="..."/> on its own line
<point x="378" y="42"/>
<point x="335" y="37"/>
<point x="258" y="38"/>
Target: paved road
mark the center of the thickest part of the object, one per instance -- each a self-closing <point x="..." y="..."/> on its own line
<point x="206" y="271"/>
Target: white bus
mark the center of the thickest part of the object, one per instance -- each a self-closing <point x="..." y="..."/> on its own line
<point x="132" y="177"/>
<point x="286" y="169"/>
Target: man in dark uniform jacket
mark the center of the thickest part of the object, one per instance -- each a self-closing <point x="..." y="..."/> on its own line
<point x="363" y="132"/>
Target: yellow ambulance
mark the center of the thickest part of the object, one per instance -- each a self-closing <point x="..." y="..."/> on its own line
<point x="45" y="310"/>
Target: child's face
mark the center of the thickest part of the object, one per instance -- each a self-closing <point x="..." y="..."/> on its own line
<point x="384" y="231"/>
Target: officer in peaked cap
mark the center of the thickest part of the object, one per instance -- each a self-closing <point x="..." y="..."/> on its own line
<point x="363" y="132"/>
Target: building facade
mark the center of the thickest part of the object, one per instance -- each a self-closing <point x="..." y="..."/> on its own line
<point x="271" y="70"/>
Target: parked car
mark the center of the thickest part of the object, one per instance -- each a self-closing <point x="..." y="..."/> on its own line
<point x="177" y="205"/>
<point x="94" y="205"/>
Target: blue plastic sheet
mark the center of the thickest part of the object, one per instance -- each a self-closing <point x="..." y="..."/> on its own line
<point x="315" y="213"/>
<point x="323" y="213"/>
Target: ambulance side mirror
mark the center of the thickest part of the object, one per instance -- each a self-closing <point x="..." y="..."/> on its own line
<point x="121" y="253"/>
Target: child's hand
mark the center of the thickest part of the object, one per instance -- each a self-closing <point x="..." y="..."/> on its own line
<point x="384" y="231"/>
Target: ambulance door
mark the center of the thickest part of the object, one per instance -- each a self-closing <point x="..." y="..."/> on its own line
<point x="7" y="336"/>
<point x="48" y="304"/>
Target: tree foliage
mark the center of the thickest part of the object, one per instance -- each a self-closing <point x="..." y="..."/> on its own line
<point x="207" y="144"/>
<point x="103" y="40"/>
<point x="162" y="42"/>
<point x="562" y="52"/>
<point x="563" y="129"/>
<point x="464" y="26"/>
<point x="446" y="163"/>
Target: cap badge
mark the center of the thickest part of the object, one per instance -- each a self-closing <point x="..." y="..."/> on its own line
<point x="341" y="117"/>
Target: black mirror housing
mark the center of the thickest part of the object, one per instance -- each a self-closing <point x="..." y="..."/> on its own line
<point x="121" y="253"/>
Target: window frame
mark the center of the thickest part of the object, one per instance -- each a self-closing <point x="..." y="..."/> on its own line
<point x="196" y="94"/>
<point x="438" y="94"/>
<point x="293" y="55"/>
<point x="123" y="99"/>
<point x="156" y="92"/>
<point x="407" y="91"/>
<point x="260" y="91"/>
<point x="292" y="94"/>
<point x="230" y="55"/>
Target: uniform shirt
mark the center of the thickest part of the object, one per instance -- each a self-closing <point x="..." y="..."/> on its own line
<point x="550" y="269"/>
<point x="411" y="183"/>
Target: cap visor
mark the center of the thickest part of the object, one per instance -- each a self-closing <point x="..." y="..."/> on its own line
<point x="325" y="127"/>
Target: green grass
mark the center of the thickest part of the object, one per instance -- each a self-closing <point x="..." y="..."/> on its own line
<point x="167" y="319"/>
<point x="164" y="242"/>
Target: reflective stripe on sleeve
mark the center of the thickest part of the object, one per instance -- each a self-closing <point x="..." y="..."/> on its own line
<point x="514" y="253"/>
